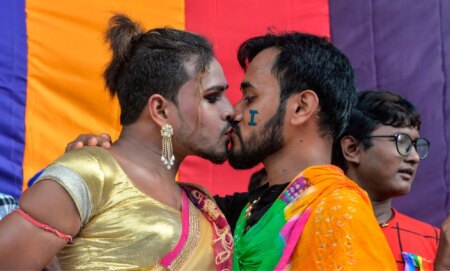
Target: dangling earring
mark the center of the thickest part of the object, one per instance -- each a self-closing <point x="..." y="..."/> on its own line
<point x="167" y="151"/>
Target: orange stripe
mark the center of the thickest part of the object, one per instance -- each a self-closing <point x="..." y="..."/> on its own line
<point x="66" y="57"/>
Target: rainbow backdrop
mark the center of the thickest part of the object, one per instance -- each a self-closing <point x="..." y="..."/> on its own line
<point x="52" y="55"/>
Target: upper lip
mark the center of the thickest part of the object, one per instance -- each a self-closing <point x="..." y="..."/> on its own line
<point x="409" y="171"/>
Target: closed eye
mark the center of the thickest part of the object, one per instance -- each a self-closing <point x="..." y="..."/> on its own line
<point x="249" y="100"/>
<point x="212" y="98"/>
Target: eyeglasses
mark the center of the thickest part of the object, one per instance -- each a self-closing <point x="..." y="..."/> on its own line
<point x="404" y="144"/>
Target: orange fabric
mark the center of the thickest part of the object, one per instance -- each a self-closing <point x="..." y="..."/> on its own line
<point x="66" y="95"/>
<point x="333" y="237"/>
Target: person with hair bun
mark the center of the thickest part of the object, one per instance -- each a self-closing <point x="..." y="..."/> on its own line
<point x="122" y="208"/>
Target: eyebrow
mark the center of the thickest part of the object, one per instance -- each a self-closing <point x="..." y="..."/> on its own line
<point x="217" y="87"/>
<point x="246" y="85"/>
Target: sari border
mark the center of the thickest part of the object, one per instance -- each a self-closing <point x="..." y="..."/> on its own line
<point x="170" y="257"/>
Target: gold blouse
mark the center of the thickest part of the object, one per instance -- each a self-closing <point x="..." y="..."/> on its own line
<point x="122" y="227"/>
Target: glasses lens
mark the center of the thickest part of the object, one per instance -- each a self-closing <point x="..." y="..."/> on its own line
<point x="404" y="144"/>
<point x="422" y="146"/>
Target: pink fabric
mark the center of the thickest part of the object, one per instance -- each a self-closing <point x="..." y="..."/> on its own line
<point x="170" y="257"/>
<point x="291" y="234"/>
<point x="46" y="227"/>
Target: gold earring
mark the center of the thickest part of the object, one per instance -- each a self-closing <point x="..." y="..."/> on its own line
<point x="167" y="156"/>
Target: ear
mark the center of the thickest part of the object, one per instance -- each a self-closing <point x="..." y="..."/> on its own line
<point x="158" y="108"/>
<point x="303" y="107"/>
<point x="351" y="149"/>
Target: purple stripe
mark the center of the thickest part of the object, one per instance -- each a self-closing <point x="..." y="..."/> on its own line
<point x="404" y="46"/>
<point x="13" y="86"/>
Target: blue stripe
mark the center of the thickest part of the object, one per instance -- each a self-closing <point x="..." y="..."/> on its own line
<point x="13" y="87"/>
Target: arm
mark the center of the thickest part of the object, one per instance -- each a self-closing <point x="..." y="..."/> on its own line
<point x="26" y="246"/>
<point x="442" y="260"/>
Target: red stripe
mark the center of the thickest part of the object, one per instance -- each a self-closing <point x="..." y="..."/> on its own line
<point x="46" y="227"/>
<point x="227" y="24"/>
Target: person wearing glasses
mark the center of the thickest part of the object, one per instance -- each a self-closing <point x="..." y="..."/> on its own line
<point x="380" y="150"/>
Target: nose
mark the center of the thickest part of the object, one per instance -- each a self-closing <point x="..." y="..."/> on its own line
<point x="413" y="157"/>
<point x="228" y="112"/>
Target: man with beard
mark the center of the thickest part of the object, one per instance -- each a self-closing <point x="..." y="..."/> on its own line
<point x="309" y="216"/>
<point x="298" y="92"/>
<point x="380" y="150"/>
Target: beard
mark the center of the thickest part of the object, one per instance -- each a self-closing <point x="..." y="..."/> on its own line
<point x="260" y="144"/>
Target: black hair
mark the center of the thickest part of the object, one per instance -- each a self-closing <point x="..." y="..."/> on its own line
<point x="373" y="109"/>
<point x="145" y="63"/>
<point x="309" y="62"/>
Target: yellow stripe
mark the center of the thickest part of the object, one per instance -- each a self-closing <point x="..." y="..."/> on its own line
<point x="66" y="95"/>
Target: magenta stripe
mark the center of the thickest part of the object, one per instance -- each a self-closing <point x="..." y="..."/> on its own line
<point x="295" y="231"/>
<point x="167" y="260"/>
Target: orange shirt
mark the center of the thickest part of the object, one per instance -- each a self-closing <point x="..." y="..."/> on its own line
<point x="406" y="234"/>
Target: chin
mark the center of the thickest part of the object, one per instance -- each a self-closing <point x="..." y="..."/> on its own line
<point x="401" y="191"/>
<point x="215" y="158"/>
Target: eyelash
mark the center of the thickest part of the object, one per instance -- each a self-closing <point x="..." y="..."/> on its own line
<point x="212" y="98"/>
<point x="249" y="100"/>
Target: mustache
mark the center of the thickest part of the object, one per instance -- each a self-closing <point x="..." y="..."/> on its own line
<point x="237" y="131"/>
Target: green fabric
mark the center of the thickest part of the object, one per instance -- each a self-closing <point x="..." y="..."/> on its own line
<point x="256" y="248"/>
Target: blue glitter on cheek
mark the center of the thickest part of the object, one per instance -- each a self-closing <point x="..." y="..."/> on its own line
<point x="252" y="117"/>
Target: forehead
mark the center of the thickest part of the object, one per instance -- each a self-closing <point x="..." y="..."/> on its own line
<point x="213" y="75"/>
<point x="261" y="65"/>
<point x="259" y="76"/>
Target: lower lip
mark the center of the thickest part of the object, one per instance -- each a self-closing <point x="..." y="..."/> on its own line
<point x="405" y="176"/>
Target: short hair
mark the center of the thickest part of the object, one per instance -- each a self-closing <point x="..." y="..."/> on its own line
<point x="146" y="63"/>
<point x="373" y="109"/>
<point x="309" y="62"/>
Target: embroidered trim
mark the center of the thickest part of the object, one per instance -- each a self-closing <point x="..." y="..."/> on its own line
<point x="223" y="239"/>
<point x="46" y="227"/>
<point x="192" y="241"/>
<point x="74" y="185"/>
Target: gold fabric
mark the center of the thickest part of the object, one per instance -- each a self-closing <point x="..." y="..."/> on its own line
<point x="124" y="229"/>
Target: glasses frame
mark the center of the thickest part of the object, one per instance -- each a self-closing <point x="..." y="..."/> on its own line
<point x="413" y="143"/>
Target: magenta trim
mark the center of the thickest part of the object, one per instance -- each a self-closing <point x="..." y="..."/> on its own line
<point x="167" y="260"/>
<point x="295" y="230"/>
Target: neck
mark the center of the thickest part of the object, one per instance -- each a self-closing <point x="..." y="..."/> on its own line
<point x="382" y="210"/>
<point x="138" y="150"/>
<point x="292" y="159"/>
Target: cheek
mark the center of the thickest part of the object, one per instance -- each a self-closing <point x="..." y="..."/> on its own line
<point x="253" y="120"/>
<point x="210" y="117"/>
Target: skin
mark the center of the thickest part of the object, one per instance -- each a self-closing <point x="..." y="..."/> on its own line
<point x="201" y="116"/>
<point x="261" y="90"/>
<point x="381" y="170"/>
<point x="384" y="174"/>
<point x="301" y="145"/>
